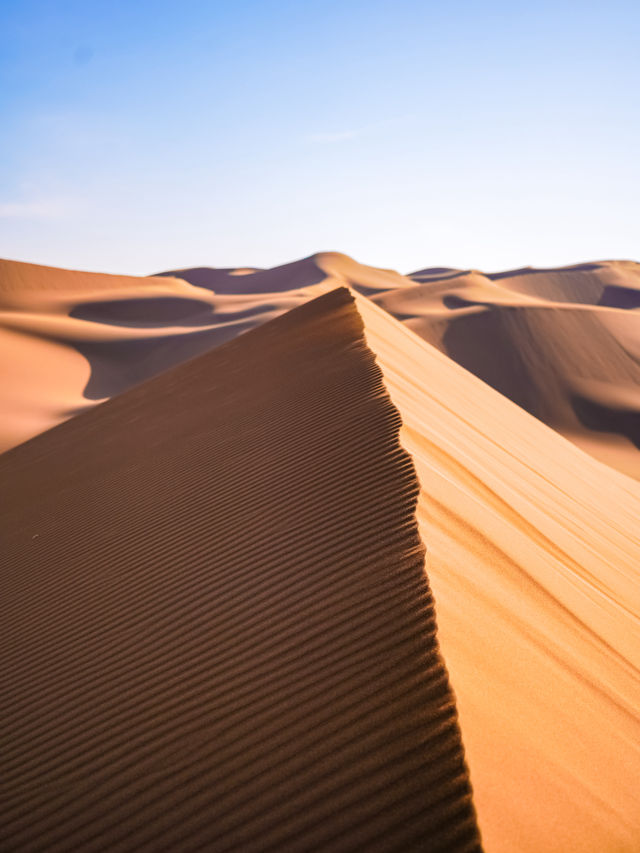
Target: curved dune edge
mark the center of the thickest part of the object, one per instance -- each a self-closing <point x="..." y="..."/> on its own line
<point x="533" y="555"/>
<point x="70" y="339"/>
<point x="533" y="547"/>
<point x="220" y="633"/>
<point x="561" y="343"/>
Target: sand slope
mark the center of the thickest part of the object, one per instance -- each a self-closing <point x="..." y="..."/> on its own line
<point x="561" y="343"/>
<point x="533" y="554"/>
<point x="71" y="339"/>
<point x="533" y="546"/>
<point x="218" y="632"/>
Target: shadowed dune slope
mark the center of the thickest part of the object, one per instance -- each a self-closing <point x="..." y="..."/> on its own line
<point x="217" y="629"/>
<point x="533" y="555"/>
<point x="327" y="267"/>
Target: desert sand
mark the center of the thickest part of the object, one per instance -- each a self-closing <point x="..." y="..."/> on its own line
<point x="533" y="554"/>
<point x="533" y="544"/>
<point x="561" y="343"/>
<point x="218" y="633"/>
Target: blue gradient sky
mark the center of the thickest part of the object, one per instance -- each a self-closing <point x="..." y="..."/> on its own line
<point x="139" y="136"/>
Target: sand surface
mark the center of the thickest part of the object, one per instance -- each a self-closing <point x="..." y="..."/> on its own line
<point x="533" y="546"/>
<point x="563" y="343"/>
<point x="218" y="631"/>
<point x="69" y="340"/>
<point x="533" y="554"/>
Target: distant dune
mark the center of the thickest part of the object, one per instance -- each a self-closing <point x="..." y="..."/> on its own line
<point x="533" y="544"/>
<point x="561" y="343"/>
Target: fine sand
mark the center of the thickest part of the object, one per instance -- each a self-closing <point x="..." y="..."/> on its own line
<point x="218" y="632"/>
<point x="564" y="344"/>
<point x="561" y="343"/>
<point x="533" y="546"/>
<point x="533" y="554"/>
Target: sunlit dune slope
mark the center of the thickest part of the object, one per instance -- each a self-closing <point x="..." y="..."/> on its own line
<point x="562" y="343"/>
<point x="533" y="546"/>
<point x="533" y="553"/>
<point x="218" y="633"/>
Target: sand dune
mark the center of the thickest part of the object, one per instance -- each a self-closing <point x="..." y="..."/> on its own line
<point x="533" y="554"/>
<point x="218" y="632"/>
<point x="533" y="548"/>
<point x="101" y="334"/>
<point x="70" y="339"/>
<point x="322" y="268"/>
<point x="561" y="343"/>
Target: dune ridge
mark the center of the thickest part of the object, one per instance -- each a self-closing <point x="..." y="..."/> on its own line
<point x="219" y="631"/>
<point x="561" y="343"/>
<point x="71" y="339"/>
<point x="533" y="547"/>
<point x="533" y="555"/>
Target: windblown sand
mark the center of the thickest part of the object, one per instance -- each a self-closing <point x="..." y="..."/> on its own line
<point x="533" y="546"/>
<point x="219" y="632"/>
<point x="561" y="343"/>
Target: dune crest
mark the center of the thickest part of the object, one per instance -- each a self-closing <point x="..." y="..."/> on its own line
<point x="533" y="554"/>
<point x="550" y="340"/>
<point x="547" y="339"/>
<point x="533" y="546"/>
<point x="219" y="630"/>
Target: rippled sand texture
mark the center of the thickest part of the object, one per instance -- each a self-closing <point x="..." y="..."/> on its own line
<point x="533" y="546"/>
<point x="533" y="555"/>
<point x="218" y="632"/>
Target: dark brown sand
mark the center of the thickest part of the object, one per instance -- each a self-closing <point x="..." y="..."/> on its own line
<point x="217" y="629"/>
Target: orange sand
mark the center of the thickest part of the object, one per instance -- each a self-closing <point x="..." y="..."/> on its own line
<point x="218" y="631"/>
<point x="533" y="546"/>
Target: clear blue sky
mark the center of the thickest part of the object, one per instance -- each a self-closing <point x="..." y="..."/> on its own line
<point x="138" y="136"/>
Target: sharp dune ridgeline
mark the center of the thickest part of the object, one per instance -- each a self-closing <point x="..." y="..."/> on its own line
<point x="221" y="627"/>
<point x="533" y="555"/>
<point x="220" y="633"/>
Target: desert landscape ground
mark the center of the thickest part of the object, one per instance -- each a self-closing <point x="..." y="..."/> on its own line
<point x="299" y="457"/>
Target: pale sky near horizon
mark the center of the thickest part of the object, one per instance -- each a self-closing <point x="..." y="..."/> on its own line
<point x="143" y="136"/>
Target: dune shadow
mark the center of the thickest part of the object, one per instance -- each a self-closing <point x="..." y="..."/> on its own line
<point x="119" y="365"/>
<point x="293" y="276"/>
<point x="483" y="344"/>
<point x="151" y="313"/>
<point x="588" y="267"/>
<point x="453" y="302"/>
<point x="615" y="296"/>
<point x="451" y="273"/>
<point x="601" y="418"/>
<point x="435" y="273"/>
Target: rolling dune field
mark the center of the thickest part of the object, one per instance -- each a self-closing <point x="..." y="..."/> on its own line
<point x="215" y="562"/>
